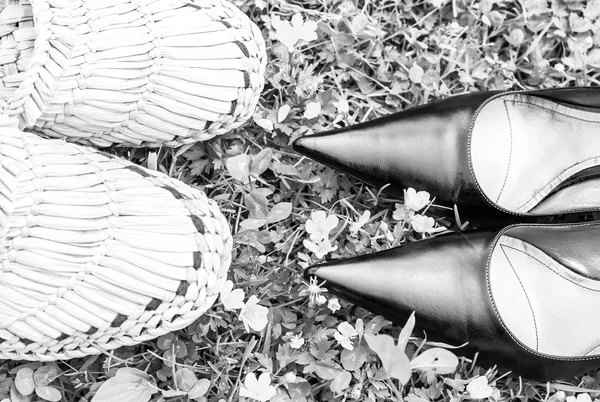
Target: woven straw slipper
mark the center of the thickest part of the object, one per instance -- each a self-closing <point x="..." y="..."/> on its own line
<point x="132" y="72"/>
<point x="97" y="252"/>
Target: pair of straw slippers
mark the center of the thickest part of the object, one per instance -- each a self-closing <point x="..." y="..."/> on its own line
<point x="97" y="252"/>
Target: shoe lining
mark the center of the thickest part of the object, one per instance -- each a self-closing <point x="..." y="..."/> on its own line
<point x="524" y="148"/>
<point x="545" y="305"/>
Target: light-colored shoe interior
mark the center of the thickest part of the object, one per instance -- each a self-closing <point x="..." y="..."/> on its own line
<point x="547" y="306"/>
<point x="524" y="148"/>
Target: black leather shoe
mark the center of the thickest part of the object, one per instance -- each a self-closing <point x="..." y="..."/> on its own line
<point x="526" y="297"/>
<point x="517" y="156"/>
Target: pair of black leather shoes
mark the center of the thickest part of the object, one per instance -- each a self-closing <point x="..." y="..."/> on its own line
<point x="524" y="166"/>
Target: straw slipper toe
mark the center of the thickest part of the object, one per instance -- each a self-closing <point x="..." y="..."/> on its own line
<point x="96" y="252"/>
<point x="138" y="73"/>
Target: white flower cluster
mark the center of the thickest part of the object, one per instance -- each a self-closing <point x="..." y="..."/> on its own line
<point x="252" y="314"/>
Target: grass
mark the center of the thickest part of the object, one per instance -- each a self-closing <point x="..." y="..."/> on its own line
<point x="368" y="59"/>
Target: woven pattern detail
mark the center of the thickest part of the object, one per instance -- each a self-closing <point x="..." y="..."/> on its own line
<point x="97" y="252"/>
<point x="132" y="72"/>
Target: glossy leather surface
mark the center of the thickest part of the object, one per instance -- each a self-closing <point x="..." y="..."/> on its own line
<point x="445" y="281"/>
<point x="426" y="147"/>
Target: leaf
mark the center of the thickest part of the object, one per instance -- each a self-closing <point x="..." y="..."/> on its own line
<point x="172" y="392"/>
<point x="24" y="381"/>
<point x="265" y="124"/>
<point x="265" y="361"/>
<point x="341" y="382"/>
<point x="257" y="204"/>
<point x="165" y="341"/>
<point x="48" y="393"/>
<point x="326" y="372"/>
<point x="279" y="212"/>
<point x="406" y="332"/>
<point x="283" y="169"/>
<point x="199" y="389"/>
<point x="16" y="396"/>
<point x="180" y="349"/>
<point x="283" y="112"/>
<point x="436" y="360"/>
<point x="251" y="224"/>
<point x="593" y="57"/>
<point x="416" y="74"/>
<point x="45" y="375"/>
<point x="354" y="359"/>
<point x="376" y="324"/>
<point x="261" y="161"/>
<point x="185" y="379"/>
<point x="152" y="161"/>
<point x="495" y="18"/>
<point x="393" y="359"/>
<point x="128" y="384"/>
<point x="299" y="389"/>
<point x="239" y="167"/>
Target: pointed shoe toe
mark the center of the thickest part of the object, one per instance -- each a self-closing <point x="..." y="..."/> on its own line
<point x="523" y="297"/>
<point x="98" y="253"/>
<point x="522" y="156"/>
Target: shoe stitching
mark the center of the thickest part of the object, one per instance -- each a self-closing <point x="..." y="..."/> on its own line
<point x="553" y="110"/>
<point x="493" y="302"/>
<point x="551" y="180"/>
<point x="575" y="283"/>
<point x="550" y="268"/>
<point x="591" y="350"/>
<point x="537" y="341"/>
<point x="559" y="113"/>
<point x="556" y="112"/>
<point x="511" y="150"/>
<point x="470" y="160"/>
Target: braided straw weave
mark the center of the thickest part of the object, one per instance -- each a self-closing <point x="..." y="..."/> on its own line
<point x="132" y="72"/>
<point x="97" y="252"/>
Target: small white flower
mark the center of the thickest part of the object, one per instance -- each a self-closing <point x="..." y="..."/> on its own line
<point x="314" y="291"/>
<point x="423" y="224"/>
<point x="334" y="304"/>
<point x="254" y="315"/>
<point x="312" y="110"/>
<point x="320" y="224"/>
<point x="297" y="341"/>
<point x="580" y="398"/>
<point x="259" y="389"/>
<point x="415" y="201"/>
<point x="344" y="335"/>
<point x="231" y="299"/>
<point x="558" y="396"/>
<point x="290" y="32"/>
<point x="479" y="388"/>
<point x="400" y="212"/>
<point x="290" y="376"/>
<point x="360" y="222"/>
<point x="385" y="229"/>
<point x="321" y="249"/>
<point x="342" y="106"/>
